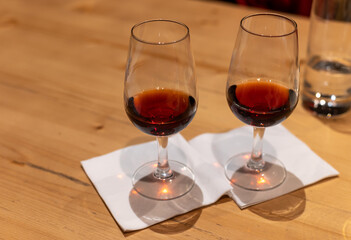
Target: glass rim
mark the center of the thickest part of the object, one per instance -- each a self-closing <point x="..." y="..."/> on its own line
<point x="273" y="15"/>
<point x="160" y="43"/>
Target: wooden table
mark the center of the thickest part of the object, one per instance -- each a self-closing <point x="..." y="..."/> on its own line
<point x="61" y="81"/>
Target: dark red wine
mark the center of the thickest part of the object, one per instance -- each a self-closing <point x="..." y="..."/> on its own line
<point x="261" y="103"/>
<point x="161" y="112"/>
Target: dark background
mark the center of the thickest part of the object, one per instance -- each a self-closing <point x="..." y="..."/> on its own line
<point x="300" y="7"/>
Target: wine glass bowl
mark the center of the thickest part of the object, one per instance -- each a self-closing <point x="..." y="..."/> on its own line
<point x="262" y="91"/>
<point x="160" y="97"/>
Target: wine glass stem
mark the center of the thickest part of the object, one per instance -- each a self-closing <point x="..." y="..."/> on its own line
<point x="163" y="170"/>
<point x="256" y="161"/>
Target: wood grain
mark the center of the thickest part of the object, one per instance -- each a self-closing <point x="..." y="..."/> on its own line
<point x="61" y="80"/>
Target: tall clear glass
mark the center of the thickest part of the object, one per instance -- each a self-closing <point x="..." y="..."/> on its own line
<point x="262" y="90"/>
<point x="160" y="97"/>
<point x="327" y="77"/>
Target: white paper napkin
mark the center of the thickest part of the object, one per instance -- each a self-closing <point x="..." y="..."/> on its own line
<point x="206" y="155"/>
<point x="303" y="166"/>
<point x="111" y="175"/>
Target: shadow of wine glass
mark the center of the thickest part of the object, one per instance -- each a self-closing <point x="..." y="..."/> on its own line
<point x="275" y="204"/>
<point x="178" y="224"/>
<point x="155" y="212"/>
<point x="283" y="208"/>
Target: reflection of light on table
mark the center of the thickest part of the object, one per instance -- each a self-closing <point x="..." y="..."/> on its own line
<point x="346" y="229"/>
<point x="262" y="180"/>
<point x="216" y="164"/>
<point x="164" y="190"/>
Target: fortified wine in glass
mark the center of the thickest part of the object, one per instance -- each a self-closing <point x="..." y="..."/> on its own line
<point x="261" y="103"/>
<point x="161" y="112"/>
<point x="161" y="99"/>
<point x="262" y="91"/>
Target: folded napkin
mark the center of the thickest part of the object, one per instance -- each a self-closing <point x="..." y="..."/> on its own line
<point x="111" y="175"/>
<point x="205" y="155"/>
<point x="303" y="166"/>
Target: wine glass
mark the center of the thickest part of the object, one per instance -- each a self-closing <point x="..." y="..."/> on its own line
<point x="262" y="90"/>
<point x="160" y="98"/>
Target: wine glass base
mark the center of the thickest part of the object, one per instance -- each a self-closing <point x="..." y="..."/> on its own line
<point x="271" y="175"/>
<point x="147" y="185"/>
